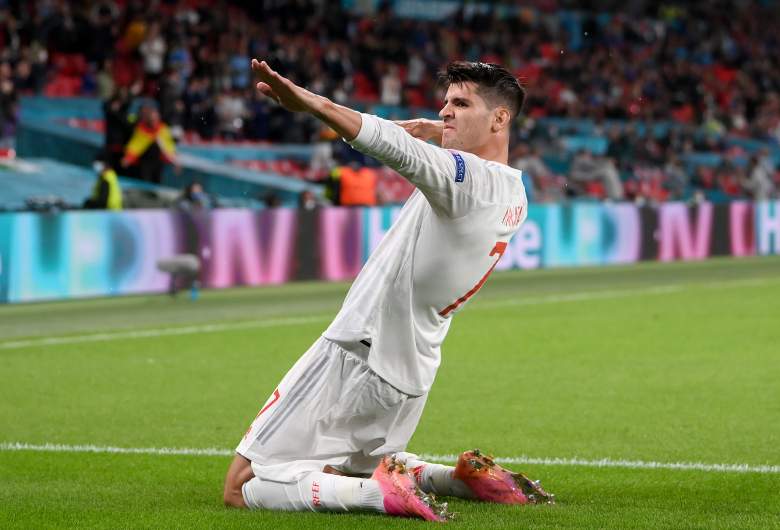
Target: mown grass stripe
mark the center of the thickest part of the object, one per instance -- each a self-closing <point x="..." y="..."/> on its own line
<point x="309" y="319"/>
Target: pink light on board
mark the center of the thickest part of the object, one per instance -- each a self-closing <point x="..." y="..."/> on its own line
<point x="251" y="248"/>
<point x="679" y="238"/>
<point x="341" y="243"/>
<point x="742" y="229"/>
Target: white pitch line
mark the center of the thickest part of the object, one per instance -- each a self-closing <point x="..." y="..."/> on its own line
<point x="161" y="332"/>
<point x="292" y="321"/>
<point x="621" y="463"/>
<point x="599" y="463"/>
<point x="63" y="448"/>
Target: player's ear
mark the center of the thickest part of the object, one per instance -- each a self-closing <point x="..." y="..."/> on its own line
<point x="501" y="118"/>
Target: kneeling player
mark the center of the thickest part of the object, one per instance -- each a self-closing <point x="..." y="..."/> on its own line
<point x="332" y="435"/>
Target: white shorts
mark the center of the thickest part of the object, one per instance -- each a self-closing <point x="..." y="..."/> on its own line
<point x="329" y="409"/>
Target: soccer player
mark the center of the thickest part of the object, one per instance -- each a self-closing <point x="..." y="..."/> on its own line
<point x="347" y="408"/>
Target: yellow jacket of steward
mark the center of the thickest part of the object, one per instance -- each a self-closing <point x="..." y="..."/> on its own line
<point x="107" y="193"/>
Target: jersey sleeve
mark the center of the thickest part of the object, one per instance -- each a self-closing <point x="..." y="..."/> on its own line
<point x="443" y="176"/>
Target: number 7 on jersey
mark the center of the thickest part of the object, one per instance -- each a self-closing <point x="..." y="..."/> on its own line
<point x="499" y="249"/>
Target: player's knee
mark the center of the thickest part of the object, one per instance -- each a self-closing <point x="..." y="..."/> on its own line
<point x="239" y="472"/>
<point x="232" y="496"/>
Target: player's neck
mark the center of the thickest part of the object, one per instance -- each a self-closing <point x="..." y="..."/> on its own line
<point x="494" y="151"/>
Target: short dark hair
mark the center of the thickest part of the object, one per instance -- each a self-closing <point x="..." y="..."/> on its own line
<point x="494" y="83"/>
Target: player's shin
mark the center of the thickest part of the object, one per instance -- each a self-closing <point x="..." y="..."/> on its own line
<point x="315" y="492"/>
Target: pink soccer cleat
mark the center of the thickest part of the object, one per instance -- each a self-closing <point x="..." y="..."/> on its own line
<point x="491" y="482"/>
<point x="402" y="497"/>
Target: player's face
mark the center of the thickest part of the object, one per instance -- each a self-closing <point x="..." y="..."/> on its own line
<point x="467" y="118"/>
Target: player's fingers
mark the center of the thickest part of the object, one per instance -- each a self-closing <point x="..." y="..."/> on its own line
<point x="272" y="78"/>
<point x="263" y="71"/>
<point x="266" y="90"/>
<point x="261" y="67"/>
<point x="280" y="85"/>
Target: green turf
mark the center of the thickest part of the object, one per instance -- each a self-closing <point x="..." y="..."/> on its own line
<point x="659" y="362"/>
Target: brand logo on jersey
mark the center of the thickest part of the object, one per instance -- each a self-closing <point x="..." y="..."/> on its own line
<point x="460" y="167"/>
<point x="512" y="216"/>
<point x="417" y="473"/>
<point x="315" y="493"/>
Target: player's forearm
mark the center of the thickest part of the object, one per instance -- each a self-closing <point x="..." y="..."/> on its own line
<point x="346" y="122"/>
<point x="424" y="165"/>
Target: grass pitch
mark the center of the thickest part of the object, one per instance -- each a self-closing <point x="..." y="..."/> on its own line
<point x="658" y="363"/>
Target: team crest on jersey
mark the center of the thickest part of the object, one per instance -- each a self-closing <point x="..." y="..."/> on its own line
<point x="460" y="167"/>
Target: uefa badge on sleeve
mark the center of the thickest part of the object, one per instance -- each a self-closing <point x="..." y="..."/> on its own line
<point x="460" y="167"/>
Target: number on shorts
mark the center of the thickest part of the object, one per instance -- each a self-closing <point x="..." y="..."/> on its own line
<point x="274" y="400"/>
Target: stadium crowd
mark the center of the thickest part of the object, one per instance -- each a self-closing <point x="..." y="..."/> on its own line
<point x="708" y="72"/>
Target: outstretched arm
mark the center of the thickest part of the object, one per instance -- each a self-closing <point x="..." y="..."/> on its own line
<point x="346" y="122"/>
<point x="441" y="175"/>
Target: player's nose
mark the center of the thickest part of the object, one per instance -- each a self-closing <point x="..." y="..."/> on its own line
<point x="445" y="112"/>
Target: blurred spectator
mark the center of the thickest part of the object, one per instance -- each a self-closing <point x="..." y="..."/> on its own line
<point x="67" y="30"/>
<point x="528" y="160"/>
<point x="105" y="80"/>
<point x="106" y="194"/>
<point x="595" y="176"/>
<point x="391" y="86"/>
<point x="170" y="99"/>
<point x="231" y="112"/>
<point x="8" y="100"/>
<point x="679" y="80"/>
<point x="729" y="179"/>
<point x="759" y="184"/>
<point x="676" y="178"/>
<point x="687" y="65"/>
<point x="104" y="31"/>
<point x="238" y="64"/>
<point x="152" y="50"/>
<point x="193" y="198"/>
<point x="150" y="147"/>
<point x="611" y="179"/>
<point x="356" y="185"/>
<point x="307" y="200"/>
<point x="199" y="108"/>
<point x="117" y="126"/>
<point x="322" y="156"/>
<point x="272" y="200"/>
<point x="765" y="160"/>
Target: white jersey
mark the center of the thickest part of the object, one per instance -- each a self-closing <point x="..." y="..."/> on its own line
<point x="447" y="240"/>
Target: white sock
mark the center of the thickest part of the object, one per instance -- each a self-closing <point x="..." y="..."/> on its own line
<point x="435" y="478"/>
<point x="315" y="492"/>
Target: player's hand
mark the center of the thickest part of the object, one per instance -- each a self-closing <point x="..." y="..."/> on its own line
<point x="424" y="129"/>
<point x="282" y="90"/>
